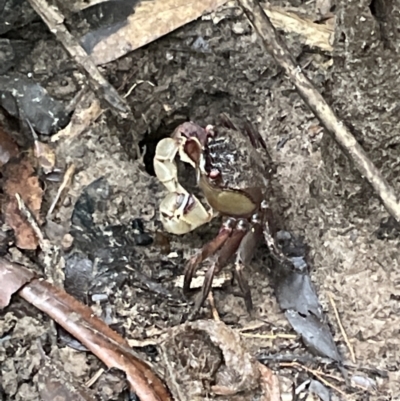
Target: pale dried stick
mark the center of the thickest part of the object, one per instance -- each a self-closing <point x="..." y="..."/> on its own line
<point x="31" y="219"/>
<point x="314" y="100"/>
<point x="94" y="378"/>
<point x="66" y="183"/>
<point x="269" y="336"/>
<point x="214" y="310"/>
<point x="346" y="339"/>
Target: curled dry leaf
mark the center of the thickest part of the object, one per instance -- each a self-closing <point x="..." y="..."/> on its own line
<point x="86" y="112"/>
<point x="240" y="372"/>
<point x="207" y="354"/>
<point x="20" y="178"/>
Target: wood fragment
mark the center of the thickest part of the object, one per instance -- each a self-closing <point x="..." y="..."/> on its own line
<point x="55" y="22"/>
<point x="342" y="330"/>
<point x="314" y="100"/>
<point x="151" y="20"/>
<point x="311" y="34"/>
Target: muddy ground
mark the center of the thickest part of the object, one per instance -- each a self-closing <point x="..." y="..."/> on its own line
<point x="323" y="199"/>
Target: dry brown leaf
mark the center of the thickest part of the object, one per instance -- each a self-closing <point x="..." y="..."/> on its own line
<point x="153" y="19"/>
<point x="149" y="21"/>
<point x="269" y="383"/>
<point x="8" y="147"/>
<point x="20" y="178"/>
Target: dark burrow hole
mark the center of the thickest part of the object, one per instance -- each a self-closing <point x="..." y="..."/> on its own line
<point x="149" y="143"/>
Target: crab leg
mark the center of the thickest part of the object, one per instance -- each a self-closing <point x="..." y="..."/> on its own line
<point x="229" y="248"/>
<point x="208" y="250"/>
<point x="243" y="259"/>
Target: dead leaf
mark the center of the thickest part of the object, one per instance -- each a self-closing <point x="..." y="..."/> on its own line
<point x="8" y="147"/>
<point x="149" y="21"/>
<point x="20" y="178"/>
<point x="269" y="383"/>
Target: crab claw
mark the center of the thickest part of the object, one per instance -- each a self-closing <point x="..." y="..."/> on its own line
<point x="182" y="212"/>
<point x="164" y="164"/>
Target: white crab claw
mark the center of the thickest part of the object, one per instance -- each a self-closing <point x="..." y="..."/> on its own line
<point x="164" y="165"/>
<point x="182" y="212"/>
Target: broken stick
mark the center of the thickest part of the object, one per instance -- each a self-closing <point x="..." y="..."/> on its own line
<point x="55" y="22"/>
<point x="314" y="100"/>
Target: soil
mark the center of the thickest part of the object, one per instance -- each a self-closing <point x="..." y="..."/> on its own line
<point x="323" y="199"/>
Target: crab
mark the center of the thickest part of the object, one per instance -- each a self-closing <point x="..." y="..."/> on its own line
<point x="233" y="178"/>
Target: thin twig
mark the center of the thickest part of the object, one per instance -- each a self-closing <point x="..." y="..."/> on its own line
<point x="66" y="183"/>
<point x="94" y="378"/>
<point x="55" y="22"/>
<point x="320" y="375"/>
<point x="269" y="336"/>
<point x="342" y="330"/>
<point x="31" y="219"/>
<point x="214" y="310"/>
<point x="50" y="255"/>
<point x="278" y="49"/>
